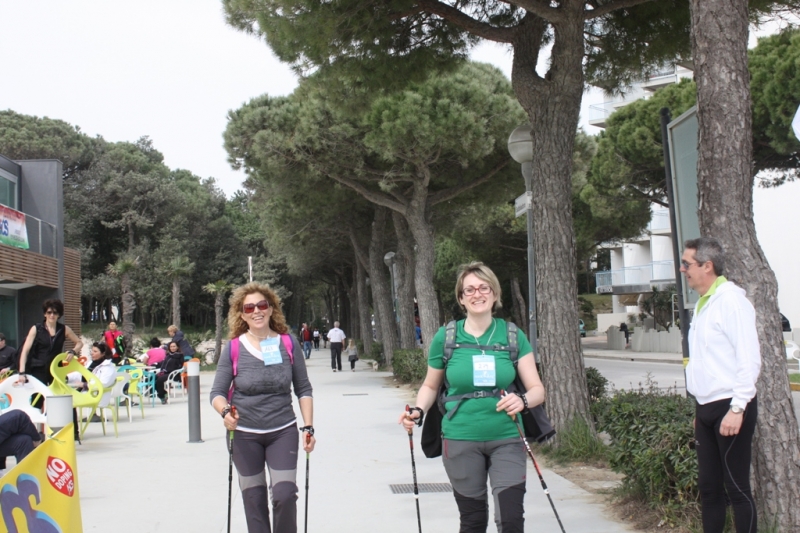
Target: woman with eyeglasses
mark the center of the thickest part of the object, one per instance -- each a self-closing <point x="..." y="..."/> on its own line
<point x="480" y="439"/>
<point x="44" y="342"/>
<point x="257" y="372"/>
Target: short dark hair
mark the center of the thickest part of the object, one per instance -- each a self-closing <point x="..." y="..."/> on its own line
<point x="2" y="337"/>
<point x="55" y="304"/>
<point x="155" y="342"/>
<point x="104" y="349"/>
<point x="708" y="249"/>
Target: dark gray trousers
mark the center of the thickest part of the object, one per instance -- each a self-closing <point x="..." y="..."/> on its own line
<point x="278" y="450"/>
<point x="468" y="464"/>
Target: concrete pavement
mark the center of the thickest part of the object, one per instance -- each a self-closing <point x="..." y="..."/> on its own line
<point x="151" y="480"/>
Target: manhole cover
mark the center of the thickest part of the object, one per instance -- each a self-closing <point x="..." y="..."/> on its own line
<point x="408" y="488"/>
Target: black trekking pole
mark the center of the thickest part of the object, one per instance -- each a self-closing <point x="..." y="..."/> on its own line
<point x="230" y="468"/>
<point x="308" y="439"/>
<point x="536" y="466"/>
<point x="414" y="470"/>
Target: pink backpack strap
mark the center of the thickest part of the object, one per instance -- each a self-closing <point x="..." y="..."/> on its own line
<point x="234" y="353"/>
<point x="289" y="345"/>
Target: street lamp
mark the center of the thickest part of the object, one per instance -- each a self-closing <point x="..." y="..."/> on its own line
<point x="520" y="146"/>
<point x="388" y="260"/>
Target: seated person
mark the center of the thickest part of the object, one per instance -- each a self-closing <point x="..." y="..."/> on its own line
<point x="155" y="355"/>
<point x="18" y="436"/>
<point x="8" y="355"/>
<point x="183" y="344"/>
<point x="101" y="366"/>
<point x="174" y="361"/>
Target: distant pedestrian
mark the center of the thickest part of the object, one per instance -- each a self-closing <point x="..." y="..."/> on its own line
<point x="721" y="375"/>
<point x="8" y="355"/>
<point x="316" y="339"/>
<point x="115" y="340"/>
<point x="623" y="327"/>
<point x="337" y="337"/>
<point x="306" y="338"/>
<point x="352" y="354"/>
<point x="324" y="335"/>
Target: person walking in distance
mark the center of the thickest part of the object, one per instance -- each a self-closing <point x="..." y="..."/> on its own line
<point x="306" y="338"/>
<point x="337" y="337"/>
<point x="724" y="364"/>
<point x="352" y="354"/>
<point x="316" y="339"/>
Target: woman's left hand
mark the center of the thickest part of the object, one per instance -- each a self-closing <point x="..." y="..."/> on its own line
<point x="511" y="404"/>
<point x="308" y="442"/>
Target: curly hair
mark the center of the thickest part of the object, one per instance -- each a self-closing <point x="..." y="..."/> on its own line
<point x="237" y="325"/>
<point x="54" y="304"/>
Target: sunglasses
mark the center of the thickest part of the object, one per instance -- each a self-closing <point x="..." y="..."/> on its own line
<point x="263" y="305"/>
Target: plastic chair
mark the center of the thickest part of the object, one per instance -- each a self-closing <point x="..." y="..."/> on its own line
<point x="174" y="381"/>
<point x="147" y="386"/>
<point x="115" y="393"/>
<point x="792" y="350"/>
<point x="134" y="388"/>
<point x="80" y="399"/>
<point x="19" y="396"/>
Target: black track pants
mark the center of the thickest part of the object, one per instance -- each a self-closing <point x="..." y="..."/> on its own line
<point x="279" y="451"/>
<point x="336" y="355"/>
<point x="724" y="467"/>
<point x="468" y="464"/>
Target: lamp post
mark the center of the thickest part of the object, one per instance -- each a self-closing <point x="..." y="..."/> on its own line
<point x="520" y="146"/>
<point x="388" y="260"/>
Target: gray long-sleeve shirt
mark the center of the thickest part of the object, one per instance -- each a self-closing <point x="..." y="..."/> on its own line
<point x="262" y="393"/>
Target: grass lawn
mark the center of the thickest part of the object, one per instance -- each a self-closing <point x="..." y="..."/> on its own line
<point x="794" y="378"/>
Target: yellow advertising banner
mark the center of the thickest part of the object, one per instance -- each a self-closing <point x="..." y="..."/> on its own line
<point x="40" y="494"/>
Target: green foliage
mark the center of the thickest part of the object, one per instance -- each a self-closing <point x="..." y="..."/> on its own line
<point x="650" y="432"/>
<point x="196" y="338"/>
<point x="409" y="366"/>
<point x="597" y="384"/>
<point x="659" y="303"/>
<point x="576" y="442"/>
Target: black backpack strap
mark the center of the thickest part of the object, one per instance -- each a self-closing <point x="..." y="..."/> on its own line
<point x="449" y="342"/>
<point x="513" y="343"/>
<point x="458" y="398"/>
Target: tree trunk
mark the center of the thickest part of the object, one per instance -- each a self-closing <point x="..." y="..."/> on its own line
<point x="418" y="218"/>
<point x="553" y="105"/>
<point x="176" y="302"/>
<point x="381" y="293"/>
<point x="128" y="307"/>
<point x="518" y="305"/>
<point x="404" y="270"/>
<point x="219" y="302"/>
<point x="725" y="190"/>
<point x="363" y="305"/>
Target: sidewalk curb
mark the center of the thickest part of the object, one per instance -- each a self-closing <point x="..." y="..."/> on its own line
<point x="595" y="355"/>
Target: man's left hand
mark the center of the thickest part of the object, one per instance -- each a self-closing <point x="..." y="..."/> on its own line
<point x="731" y="424"/>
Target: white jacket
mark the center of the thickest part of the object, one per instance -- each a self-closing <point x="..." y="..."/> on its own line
<point x="724" y="354"/>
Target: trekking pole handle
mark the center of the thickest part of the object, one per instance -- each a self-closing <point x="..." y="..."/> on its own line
<point x="503" y="394"/>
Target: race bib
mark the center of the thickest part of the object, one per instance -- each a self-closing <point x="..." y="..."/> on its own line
<point x="271" y="351"/>
<point x="483" y="371"/>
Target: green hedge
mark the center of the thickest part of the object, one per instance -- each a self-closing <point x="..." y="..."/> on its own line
<point x="409" y="366"/>
<point x="650" y="433"/>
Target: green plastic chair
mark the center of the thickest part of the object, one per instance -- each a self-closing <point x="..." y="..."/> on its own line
<point x="81" y="400"/>
<point x="134" y="389"/>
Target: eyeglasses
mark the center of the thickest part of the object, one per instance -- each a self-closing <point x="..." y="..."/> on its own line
<point x="263" y="305"/>
<point x="51" y="312"/>
<point x="686" y="264"/>
<point x="483" y="289"/>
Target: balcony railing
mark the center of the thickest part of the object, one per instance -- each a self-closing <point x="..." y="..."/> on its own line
<point x="636" y="275"/>
<point x="42" y="236"/>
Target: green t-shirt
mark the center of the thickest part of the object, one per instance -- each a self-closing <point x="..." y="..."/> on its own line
<point x="477" y="418"/>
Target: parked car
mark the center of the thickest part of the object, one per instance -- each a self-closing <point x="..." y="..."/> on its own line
<point x="581" y="327"/>
<point x="785" y="323"/>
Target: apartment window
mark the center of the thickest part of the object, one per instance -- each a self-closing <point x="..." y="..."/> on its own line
<point x="8" y="189"/>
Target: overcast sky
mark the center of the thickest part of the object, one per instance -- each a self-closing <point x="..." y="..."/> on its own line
<point x="168" y="69"/>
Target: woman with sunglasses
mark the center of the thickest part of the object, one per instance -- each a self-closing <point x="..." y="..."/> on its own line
<point x="264" y="424"/>
<point x="44" y="342"/>
<point x="480" y="439"/>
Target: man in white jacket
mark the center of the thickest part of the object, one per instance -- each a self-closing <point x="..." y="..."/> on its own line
<point x="724" y="363"/>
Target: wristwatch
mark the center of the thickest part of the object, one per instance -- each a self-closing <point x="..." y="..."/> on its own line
<point x="735" y="409"/>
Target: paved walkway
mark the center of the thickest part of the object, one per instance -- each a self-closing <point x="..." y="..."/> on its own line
<point x="151" y="480"/>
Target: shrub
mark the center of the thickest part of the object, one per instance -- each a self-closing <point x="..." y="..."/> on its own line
<point x="597" y="384"/>
<point x="650" y="433"/>
<point x="377" y="354"/>
<point x="409" y="366"/>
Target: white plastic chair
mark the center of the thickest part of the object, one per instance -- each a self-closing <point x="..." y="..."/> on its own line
<point x="174" y="381"/>
<point x="20" y="395"/>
